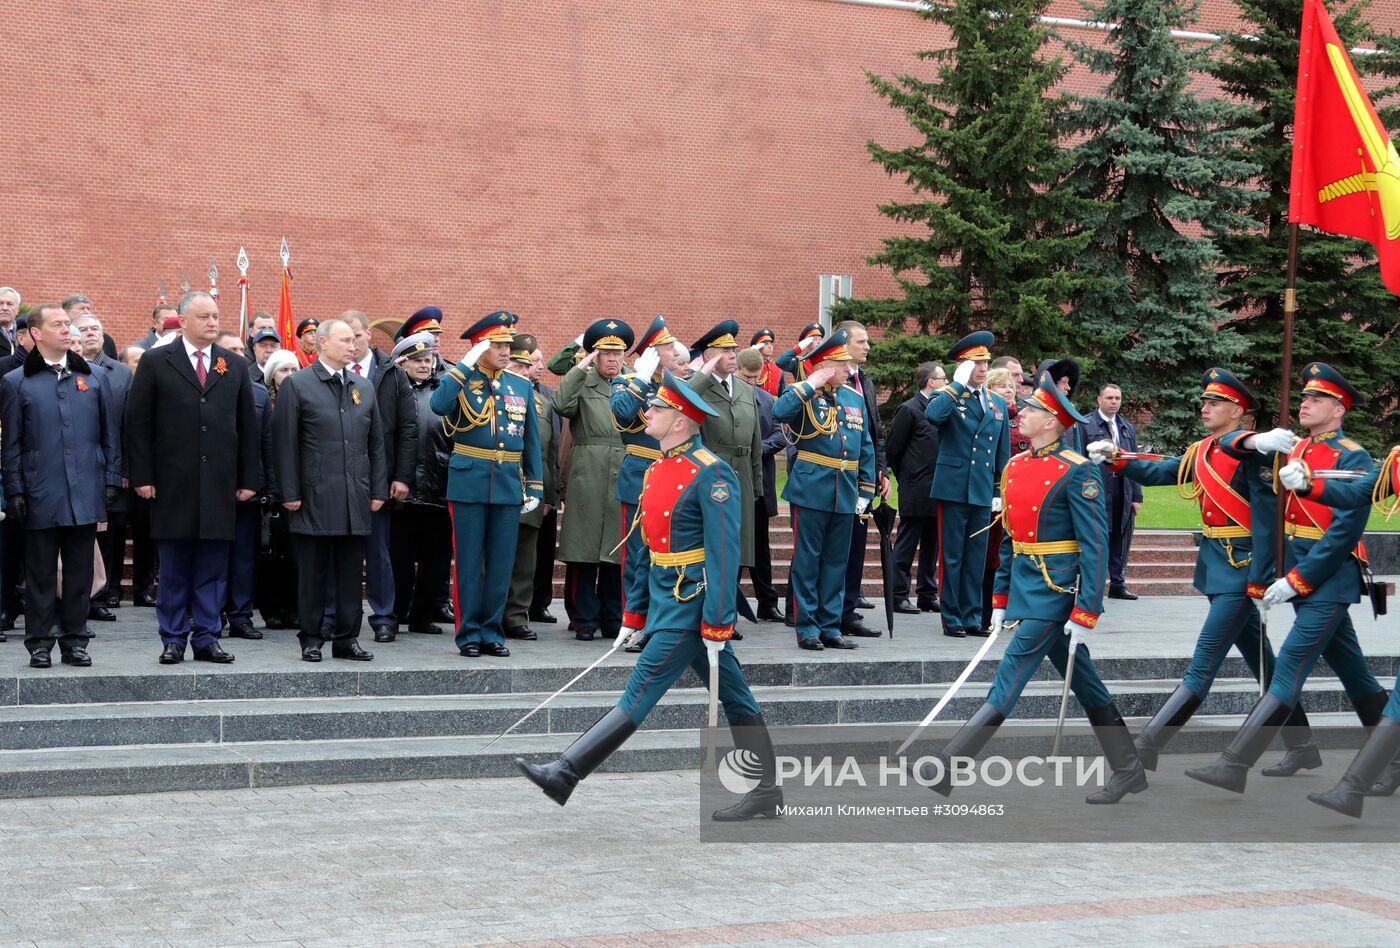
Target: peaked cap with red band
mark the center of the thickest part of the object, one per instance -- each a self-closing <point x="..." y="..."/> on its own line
<point x="832" y="349"/>
<point x="427" y="319"/>
<point x="656" y="335"/>
<point x="673" y="393"/>
<point x="1221" y="385"/>
<point x="976" y="346"/>
<point x="1319" y="378"/>
<point x="810" y="330"/>
<point x="1047" y="397"/>
<point x="762" y="336"/>
<point x="493" y="328"/>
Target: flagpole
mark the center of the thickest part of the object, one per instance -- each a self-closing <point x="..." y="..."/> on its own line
<point x="1290" y="305"/>
<point x="243" y="293"/>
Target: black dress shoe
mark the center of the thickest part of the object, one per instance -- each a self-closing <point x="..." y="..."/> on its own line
<point x="953" y="633"/>
<point x="426" y="629"/>
<point x="1120" y="592"/>
<point x="470" y="650"/>
<point x="811" y="645"/>
<point x="497" y="649"/>
<point x="980" y="633"/>
<point x="863" y="603"/>
<point x="444" y="614"/>
<point x="350" y="650"/>
<point x="244" y="630"/>
<point x="213" y="652"/>
<point x="524" y="633"/>
<point x="101" y="614"/>
<point x="385" y="633"/>
<point x="274" y="622"/>
<point x="737" y="636"/>
<point x="584" y="635"/>
<point x="543" y="615"/>
<point x="78" y="657"/>
<point x="790" y="620"/>
<point x="837" y="642"/>
<point x="39" y="658"/>
<point x="173" y="654"/>
<point x="311" y="653"/>
<point x="905" y="607"/>
<point x="769" y="614"/>
<point x="145" y="599"/>
<point x="860" y="630"/>
<point x="930" y="605"/>
<point x="7" y="623"/>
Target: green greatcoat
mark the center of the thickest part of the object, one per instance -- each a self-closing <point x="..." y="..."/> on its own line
<point x="736" y="439"/>
<point x="544" y="424"/>
<point x="592" y="524"/>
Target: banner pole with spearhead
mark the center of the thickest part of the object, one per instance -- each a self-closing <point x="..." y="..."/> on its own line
<point x="1290" y="305"/>
<point x="243" y="293"/>
<point x="213" y="272"/>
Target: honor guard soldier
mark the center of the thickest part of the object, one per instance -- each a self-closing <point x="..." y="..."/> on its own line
<point x="690" y="522"/>
<point x="1375" y="771"/>
<point x="428" y="319"/>
<point x="831" y="481"/>
<point x="770" y="378"/>
<point x="493" y="476"/>
<point x="589" y="540"/>
<point x="1323" y="557"/>
<point x="1054" y="534"/>
<point x="631" y="394"/>
<point x="974" y="443"/>
<point x="1234" y="563"/>
<point x="791" y="360"/>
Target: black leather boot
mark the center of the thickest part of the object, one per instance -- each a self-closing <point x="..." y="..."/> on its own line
<point x="1231" y="769"/>
<point x="973" y="736"/>
<point x="1375" y="755"/>
<point x="558" y="778"/>
<point x="1117" y="743"/>
<point x="751" y="736"/>
<point x="1172" y="717"/>
<point x="1302" y="752"/>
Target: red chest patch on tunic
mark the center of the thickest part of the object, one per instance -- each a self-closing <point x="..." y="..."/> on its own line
<point x="1308" y="513"/>
<point x="666" y="481"/>
<point x="1220" y="504"/>
<point x="1029" y="480"/>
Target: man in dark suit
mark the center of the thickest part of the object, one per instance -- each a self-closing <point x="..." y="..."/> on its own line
<point x="858" y="344"/>
<point x="193" y="451"/>
<point x="912" y="450"/>
<point x="329" y="451"/>
<point x="62" y="463"/>
<point x="549" y="527"/>
<point x="12" y="572"/>
<point x="1124" y="496"/>
<point x="398" y="419"/>
<point x="118" y="382"/>
<point x="9" y="311"/>
<point x="765" y="508"/>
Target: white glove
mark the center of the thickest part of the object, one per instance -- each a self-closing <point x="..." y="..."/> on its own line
<point x="470" y="360"/>
<point x="1280" y="440"/>
<point x="1294" y="476"/>
<point x="862" y="505"/>
<point x="712" y="650"/>
<point x="630" y="637"/>
<point x="530" y="504"/>
<point x="579" y="341"/>
<point x="1101" y="451"/>
<point x="1077" y="633"/>
<point x="1279" y="592"/>
<point x="758" y="345"/>
<point x="807" y="344"/>
<point x="996" y="505"/>
<point x="646" y="363"/>
<point x="998" y="620"/>
<point x="964" y="371"/>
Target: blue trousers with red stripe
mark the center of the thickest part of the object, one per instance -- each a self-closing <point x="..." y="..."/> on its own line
<point x="483" y="545"/>
<point x="1321" y="629"/>
<point x="962" y="558"/>
<point x="821" y="542"/>
<point x="668" y="653"/>
<point x="1035" y="639"/>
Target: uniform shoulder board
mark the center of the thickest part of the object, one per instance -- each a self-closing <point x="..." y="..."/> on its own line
<point x="1073" y="457"/>
<point x="1349" y="444"/>
<point x="705" y="457"/>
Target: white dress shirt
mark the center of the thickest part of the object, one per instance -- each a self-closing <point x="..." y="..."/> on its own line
<point x="194" y="363"/>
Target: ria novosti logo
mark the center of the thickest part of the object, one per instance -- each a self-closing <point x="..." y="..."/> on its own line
<point x="740" y="770"/>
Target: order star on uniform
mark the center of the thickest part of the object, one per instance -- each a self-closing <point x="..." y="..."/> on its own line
<point x="690" y="525"/>
<point x="494" y="470"/>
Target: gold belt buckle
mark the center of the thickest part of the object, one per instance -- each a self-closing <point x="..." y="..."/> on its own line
<point x="500" y="456"/>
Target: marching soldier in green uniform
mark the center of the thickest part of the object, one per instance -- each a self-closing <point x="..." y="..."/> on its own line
<point x="655" y="353"/>
<point x="831" y="481"/>
<point x="690" y="521"/>
<point x="494" y="474"/>
<point x="522" y="577"/>
<point x="1375" y="771"/>
<point x="1234" y="564"/>
<point x="1323" y="557"/>
<point x="592" y="531"/>
<point x="1054" y="533"/>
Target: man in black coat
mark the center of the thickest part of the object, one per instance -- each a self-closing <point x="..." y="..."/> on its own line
<point x="912" y="449"/>
<point x="765" y="508"/>
<point x="192" y="450"/>
<point x="547" y="540"/>
<point x="397" y="417"/>
<point x="1123" y="497"/>
<point x="12" y="572"/>
<point x="329" y="449"/>
<point x="9" y="311"/>
<point x="118" y="382"/>
<point x="858" y="344"/>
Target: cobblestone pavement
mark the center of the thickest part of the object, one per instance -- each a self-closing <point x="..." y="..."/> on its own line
<point x="490" y="861"/>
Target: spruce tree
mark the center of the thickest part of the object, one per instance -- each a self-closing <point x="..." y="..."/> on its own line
<point x="1346" y="317"/>
<point x="1164" y="162"/>
<point x="994" y="239"/>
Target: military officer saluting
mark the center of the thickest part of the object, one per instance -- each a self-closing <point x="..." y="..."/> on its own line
<point x="791" y="360"/>
<point x="494" y="474"/>
<point x="831" y="481"/>
<point x="1054" y="559"/>
<point x="770" y="378"/>
<point x="1234" y="563"/>
<point x="690" y="521"/>
<point x="631" y="394"/>
<point x="974" y="443"/>
<point x="1322" y="556"/>
<point x="1375" y="771"/>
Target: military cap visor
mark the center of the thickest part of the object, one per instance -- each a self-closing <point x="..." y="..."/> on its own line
<point x="656" y="335"/>
<point x="410" y="346"/>
<point x="306" y="324"/>
<point x="1319" y="378"/>
<point x="608" y="335"/>
<point x="522" y="347"/>
<point x="427" y="319"/>
<point x="810" y="330"/>
<point x="762" y="336"/>
<point x="493" y="328"/>
<point x="1221" y="385"/>
<point x="832" y="349"/>
<point x="678" y="396"/>
<point x="720" y="337"/>
<point x="976" y="346"/>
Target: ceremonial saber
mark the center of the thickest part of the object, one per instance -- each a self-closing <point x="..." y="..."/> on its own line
<point x="1263" y="642"/>
<point x="1338" y="474"/>
<point x="713" y="727"/>
<point x="1064" y="695"/>
<point x="952" y="690"/>
<point x="572" y="681"/>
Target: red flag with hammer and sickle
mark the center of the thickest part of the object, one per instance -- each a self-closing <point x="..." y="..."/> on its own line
<point x="1346" y="173"/>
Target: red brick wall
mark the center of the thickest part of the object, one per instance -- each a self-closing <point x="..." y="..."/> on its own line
<point x="564" y="161"/>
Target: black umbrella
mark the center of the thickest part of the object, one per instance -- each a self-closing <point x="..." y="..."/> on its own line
<point x="883" y="516"/>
